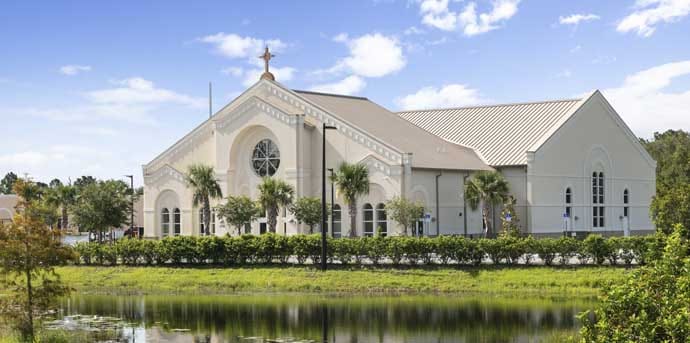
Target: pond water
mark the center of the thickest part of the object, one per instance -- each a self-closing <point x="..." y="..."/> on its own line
<point x="328" y="318"/>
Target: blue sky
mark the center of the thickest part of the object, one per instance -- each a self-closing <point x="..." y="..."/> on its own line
<point x="100" y="88"/>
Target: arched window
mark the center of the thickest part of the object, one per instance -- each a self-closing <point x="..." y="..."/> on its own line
<point x="165" y="222"/>
<point x="626" y="198"/>
<point x="381" y="219"/>
<point x="368" y="212"/>
<point x="337" y="232"/>
<point x="176" y="222"/>
<point x="213" y="222"/>
<point x="202" y="228"/>
<point x="568" y="202"/>
<point x="598" y="209"/>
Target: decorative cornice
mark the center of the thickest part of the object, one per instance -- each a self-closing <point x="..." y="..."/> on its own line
<point x="257" y="104"/>
<point x="163" y="172"/>
<point x="183" y="146"/>
<point x="358" y="135"/>
<point x="374" y="163"/>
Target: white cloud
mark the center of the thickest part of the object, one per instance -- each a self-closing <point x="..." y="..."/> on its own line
<point x="27" y="158"/>
<point x="137" y="90"/>
<point x="436" y="13"/>
<point x="371" y="55"/>
<point x="413" y="30"/>
<point x="234" y="71"/>
<point x="74" y="69"/>
<point x="577" y="48"/>
<point x="645" y="104"/>
<point x="235" y="46"/>
<point x="452" y="95"/>
<point x="566" y="73"/>
<point x="649" y="13"/>
<point x="575" y="19"/>
<point x="341" y="37"/>
<point x="350" y="85"/>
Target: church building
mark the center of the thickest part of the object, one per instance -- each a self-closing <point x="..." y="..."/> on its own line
<point x="572" y="165"/>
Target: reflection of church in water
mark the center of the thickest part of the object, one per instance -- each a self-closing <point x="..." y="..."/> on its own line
<point x="571" y="164"/>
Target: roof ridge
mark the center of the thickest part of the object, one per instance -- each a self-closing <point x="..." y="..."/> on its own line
<point x="491" y="105"/>
<point x="331" y="94"/>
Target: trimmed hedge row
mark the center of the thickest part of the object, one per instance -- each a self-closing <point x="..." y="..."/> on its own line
<point x="303" y="249"/>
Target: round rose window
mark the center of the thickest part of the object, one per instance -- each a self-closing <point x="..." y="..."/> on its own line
<point x="265" y="158"/>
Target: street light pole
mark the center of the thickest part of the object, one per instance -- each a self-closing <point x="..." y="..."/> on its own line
<point x="332" y="201"/>
<point x="131" y="210"/>
<point x="323" y="198"/>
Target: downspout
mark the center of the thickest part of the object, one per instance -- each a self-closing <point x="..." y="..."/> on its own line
<point x="464" y="203"/>
<point x="438" y="214"/>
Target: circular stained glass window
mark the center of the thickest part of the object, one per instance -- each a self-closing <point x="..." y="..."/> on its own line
<point x="265" y="158"/>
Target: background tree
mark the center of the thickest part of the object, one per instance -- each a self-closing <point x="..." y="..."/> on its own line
<point x="486" y="189"/>
<point x="238" y="211"/>
<point x="353" y="182"/>
<point x="274" y="193"/>
<point x="202" y="180"/>
<point x="404" y="212"/>
<point x="29" y="250"/>
<point x="62" y="196"/>
<point x="512" y="227"/>
<point x="101" y="206"/>
<point x="7" y="183"/>
<point x="307" y="210"/>
<point x="671" y="204"/>
<point x="84" y="181"/>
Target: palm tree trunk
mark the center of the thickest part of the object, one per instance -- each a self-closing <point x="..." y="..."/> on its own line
<point x="65" y="218"/>
<point x="485" y="217"/>
<point x="353" y="217"/>
<point x="207" y="216"/>
<point x="272" y="214"/>
<point x="239" y="230"/>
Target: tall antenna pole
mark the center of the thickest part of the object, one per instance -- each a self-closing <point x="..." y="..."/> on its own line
<point x="210" y="100"/>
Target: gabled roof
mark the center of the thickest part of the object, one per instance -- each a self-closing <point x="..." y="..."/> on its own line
<point x="502" y="134"/>
<point x="428" y="150"/>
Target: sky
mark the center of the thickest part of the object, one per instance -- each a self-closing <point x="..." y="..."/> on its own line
<point x="100" y="88"/>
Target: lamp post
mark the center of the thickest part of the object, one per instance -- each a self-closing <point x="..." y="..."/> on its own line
<point x="131" y="210"/>
<point x="323" y="197"/>
<point x="332" y="201"/>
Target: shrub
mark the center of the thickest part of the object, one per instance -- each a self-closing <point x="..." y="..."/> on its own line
<point x="300" y="247"/>
<point x="342" y="250"/>
<point x="395" y="249"/>
<point x="86" y="252"/>
<point x="211" y="248"/>
<point x="547" y="250"/>
<point x="475" y="251"/>
<point x="376" y="248"/>
<point x="149" y="251"/>
<point x="493" y="248"/>
<point x="445" y="248"/>
<point x="597" y="248"/>
<point x="513" y="248"/>
<point x="245" y="248"/>
<point x="567" y="248"/>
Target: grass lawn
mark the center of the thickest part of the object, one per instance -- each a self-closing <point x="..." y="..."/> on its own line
<point x="567" y="282"/>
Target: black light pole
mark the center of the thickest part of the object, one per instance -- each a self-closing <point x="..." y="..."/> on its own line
<point x="332" y="201"/>
<point x="131" y="210"/>
<point x="323" y="197"/>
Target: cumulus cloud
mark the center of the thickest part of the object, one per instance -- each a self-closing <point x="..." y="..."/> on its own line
<point x="452" y="95"/>
<point x="350" y="85"/>
<point x="235" y="46"/>
<point x="647" y="105"/>
<point x="647" y="14"/>
<point x="437" y="14"/>
<point x="575" y="19"/>
<point x="74" y="69"/>
<point x="371" y="55"/>
<point x="137" y="90"/>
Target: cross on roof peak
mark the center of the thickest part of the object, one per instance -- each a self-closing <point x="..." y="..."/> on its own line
<point x="267" y="57"/>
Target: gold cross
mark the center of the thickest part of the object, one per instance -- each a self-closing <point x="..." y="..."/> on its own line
<point x="266" y="57"/>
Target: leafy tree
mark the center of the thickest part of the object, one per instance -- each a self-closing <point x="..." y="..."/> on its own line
<point x="7" y="183"/>
<point x="101" y="206"/>
<point x="54" y="183"/>
<point x="486" y="189"/>
<point x="84" y="181"/>
<point x="238" y="211"/>
<point x="512" y="227"/>
<point x="404" y="212"/>
<point x="652" y="305"/>
<point x="29" y="250"/>
<point x="672" y="207"/>
<point x="353" y="182"/>
<point x="62" y="196"/>
<point x="274" y="193"/>
<point x="202" y="180"/>
<point x="307" y="210"/>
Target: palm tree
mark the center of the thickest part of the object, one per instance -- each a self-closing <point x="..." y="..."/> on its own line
<point x="274" y="193"/>
<point x="353" y="182"/>
<point x="62" y="196"/>
<point x="202" y="180"/>
<point x="486" y="189"/>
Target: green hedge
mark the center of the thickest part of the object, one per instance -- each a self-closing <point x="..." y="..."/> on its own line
<point x="305" y="249"/>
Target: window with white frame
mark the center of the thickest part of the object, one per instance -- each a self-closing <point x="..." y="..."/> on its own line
<point x="337" y="231"/>
<point x="176" y="222"/>
<point x="626" y="198"/>
<point x="598" y="209"/>
<point x="165" y="222"/>
<point x="381" y="219"/>
<point x="568" y="202"/>
<point x="368" y="212"/>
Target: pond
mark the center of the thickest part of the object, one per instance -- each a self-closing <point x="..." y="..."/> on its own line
<point x="329" y="318"/>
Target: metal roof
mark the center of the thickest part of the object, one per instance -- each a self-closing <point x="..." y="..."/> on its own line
<point x="502" y="134"/>
<point x="428" y="150"/>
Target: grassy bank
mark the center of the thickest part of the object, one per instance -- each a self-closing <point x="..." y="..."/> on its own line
<point x="515" y="281"/>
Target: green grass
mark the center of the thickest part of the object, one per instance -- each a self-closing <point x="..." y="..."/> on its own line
<point x="581" y="282"/>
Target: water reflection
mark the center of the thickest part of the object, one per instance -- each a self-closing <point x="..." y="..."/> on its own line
<point x="276" y="318"/>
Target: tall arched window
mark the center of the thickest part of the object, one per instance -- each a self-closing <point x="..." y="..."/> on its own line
<point x="337" y="232"/>
<point x="368" y="212"/>
<point x="598" y="209"/>
<point x="568" y="202"/>
<point x="165" y="222"/>
<point x="202" y="227"/>
<point x="176" y="222"/>
<point x="213" y="222"/>
<point x="626" y="198"/>
<point x="381" y="219"/>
